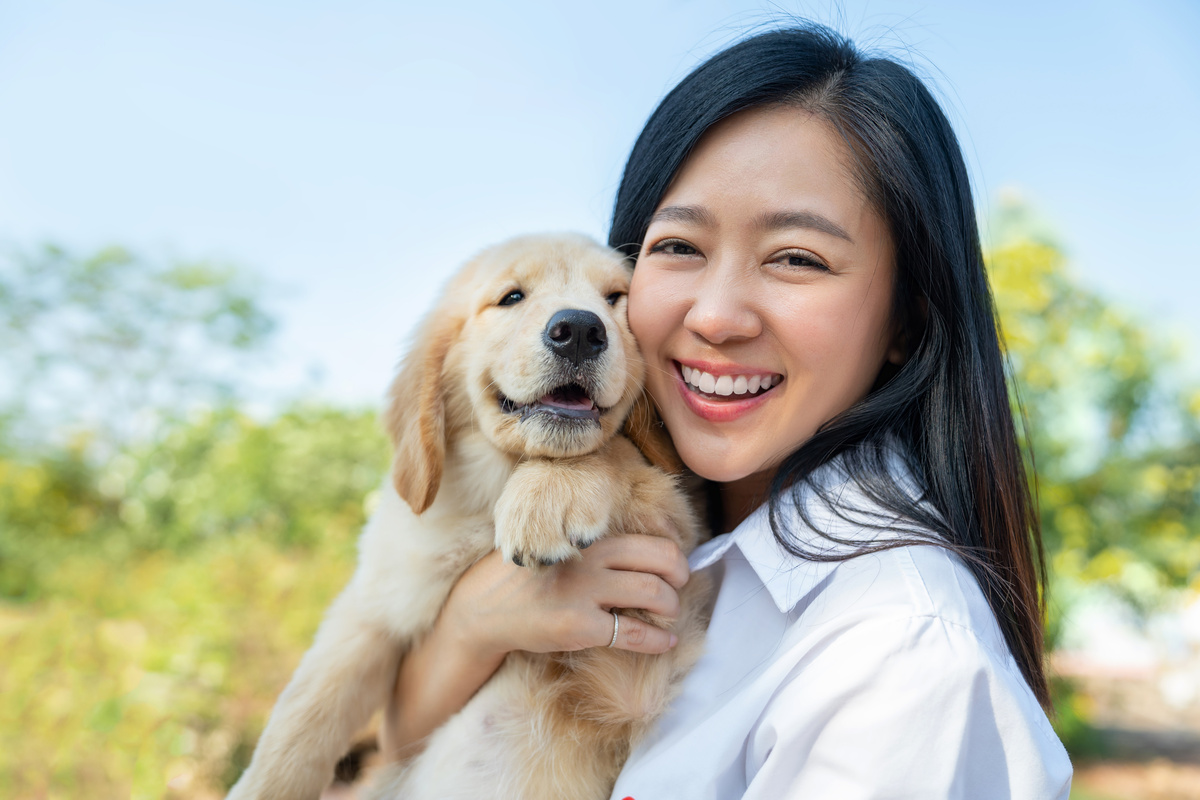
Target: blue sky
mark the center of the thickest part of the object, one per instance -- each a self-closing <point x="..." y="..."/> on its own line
<point x="354" y="153"/>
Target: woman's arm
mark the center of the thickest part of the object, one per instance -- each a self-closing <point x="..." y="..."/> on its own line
<point x="497" y="607"/>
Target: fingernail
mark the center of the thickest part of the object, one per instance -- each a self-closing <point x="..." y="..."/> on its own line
<point x="674" y="640"/>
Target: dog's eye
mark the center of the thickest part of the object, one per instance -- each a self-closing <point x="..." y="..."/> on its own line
<point x="613" y="298"/>
<point x="512" y="298"/>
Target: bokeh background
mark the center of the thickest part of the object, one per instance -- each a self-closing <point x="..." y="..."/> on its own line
<point x="219" y="222"/>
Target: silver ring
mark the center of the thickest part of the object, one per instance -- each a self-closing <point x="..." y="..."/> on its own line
<point x="616" y="628"/>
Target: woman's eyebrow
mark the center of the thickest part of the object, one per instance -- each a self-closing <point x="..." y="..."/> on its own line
<point x="773" y="221"/>
<point x="691" y="215"/>
<point x="780" y="220"/>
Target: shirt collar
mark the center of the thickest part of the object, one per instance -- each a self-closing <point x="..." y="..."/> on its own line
<point x="789" y="578"/>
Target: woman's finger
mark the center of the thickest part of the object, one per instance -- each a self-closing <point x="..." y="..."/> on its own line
<point x="655" y="555"/>
<point x="640" y="637"/>
<point x="641" y="590"/>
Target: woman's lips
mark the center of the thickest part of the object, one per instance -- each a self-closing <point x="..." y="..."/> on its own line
<point x="725" y="403"/>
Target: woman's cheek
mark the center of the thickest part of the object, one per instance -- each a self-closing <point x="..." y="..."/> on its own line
<point x="651" y="325"/>
<point x="636" y="315"/>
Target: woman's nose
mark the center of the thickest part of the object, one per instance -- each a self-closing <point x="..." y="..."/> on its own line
<point x="722" y="307"/>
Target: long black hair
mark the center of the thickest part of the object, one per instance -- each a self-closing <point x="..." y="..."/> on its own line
<point x="947" y="407"/>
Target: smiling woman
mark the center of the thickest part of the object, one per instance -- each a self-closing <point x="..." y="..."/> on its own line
<point x="764" y="263"/>
<point x="810" y="298"/>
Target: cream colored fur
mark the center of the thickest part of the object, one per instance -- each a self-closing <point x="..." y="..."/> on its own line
<point x="471" y="475"/>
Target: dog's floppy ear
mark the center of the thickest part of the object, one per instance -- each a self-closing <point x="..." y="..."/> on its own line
<point x="647" y="432"/>
<point x="416" y="414"/>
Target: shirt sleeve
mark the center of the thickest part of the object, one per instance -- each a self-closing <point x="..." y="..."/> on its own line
<point x="914" y="707"/>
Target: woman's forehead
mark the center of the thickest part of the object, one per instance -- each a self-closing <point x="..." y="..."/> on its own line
<point x="775" y="165"/>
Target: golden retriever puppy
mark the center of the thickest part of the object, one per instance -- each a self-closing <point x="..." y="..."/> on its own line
<point x="507" y="420"/>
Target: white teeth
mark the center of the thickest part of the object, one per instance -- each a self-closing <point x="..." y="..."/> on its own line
<point x="727" y="385"/>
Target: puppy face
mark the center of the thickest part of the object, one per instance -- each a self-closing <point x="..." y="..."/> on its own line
<point x="530" y="345"/>
<point x="546" y="356"/>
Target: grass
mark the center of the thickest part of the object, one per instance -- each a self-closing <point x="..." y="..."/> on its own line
<point x="153" y="678"/>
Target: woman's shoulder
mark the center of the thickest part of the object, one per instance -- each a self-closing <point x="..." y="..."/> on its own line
<point x="911" y="582"/>
<point x="914" y="583"/>
<point x="917" y="604"/>
<point x="887" y="667"/>
<point x="902" y="634"/>
<point x="893" y="657"/>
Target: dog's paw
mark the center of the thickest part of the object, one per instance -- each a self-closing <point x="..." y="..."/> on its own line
<point x="541" y="539"/>
<point x="541" y="520"/>
<point x="533" y="558"/>
<point x="550" y="510"/>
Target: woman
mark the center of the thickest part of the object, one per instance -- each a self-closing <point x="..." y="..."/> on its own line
<point x="811" y="299"/>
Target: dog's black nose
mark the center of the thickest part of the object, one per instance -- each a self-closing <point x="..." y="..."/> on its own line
<point x="576" y="335"/>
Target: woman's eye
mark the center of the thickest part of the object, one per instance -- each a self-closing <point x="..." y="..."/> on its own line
<point x="802" y="260"/>
<point x="674" y="247"/>
<point x="512" y="298"/>
<point x="613" y="298"/>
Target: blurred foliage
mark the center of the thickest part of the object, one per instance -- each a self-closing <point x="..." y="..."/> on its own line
<point x="1117" y="442"/>
<point x="168" y="594"/>
<point x="294" y="480"/>
<point x="176" y="587"/>
<point x="152" y="677"/>
<point x="165" y="556"/>
<point x="110" y="342"/>
<point x="1116" y="437"/>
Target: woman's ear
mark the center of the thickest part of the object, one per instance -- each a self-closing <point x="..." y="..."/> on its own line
<point x="416" y="414"/>
<point x="904" y="327"/>
<point x="647" y="432"/>
<point x="897" y="352"/>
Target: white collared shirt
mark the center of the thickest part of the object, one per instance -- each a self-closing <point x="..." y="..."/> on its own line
<point x="884" y="676"/>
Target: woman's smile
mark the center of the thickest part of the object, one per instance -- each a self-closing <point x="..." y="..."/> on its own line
<point x="724" y="392"/>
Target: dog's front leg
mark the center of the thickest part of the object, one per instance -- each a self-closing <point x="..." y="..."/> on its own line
<point x="551" y="508"/>
<point x="341" y="680"/>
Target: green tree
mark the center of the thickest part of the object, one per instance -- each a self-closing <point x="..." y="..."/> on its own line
<point x="157" y="584"/>
<point x="106" y="344"/>
<point x="98" y="353"/>
<point x="1116" y="437"/>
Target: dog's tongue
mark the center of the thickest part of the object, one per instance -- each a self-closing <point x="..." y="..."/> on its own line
<point x="575" y="401"/>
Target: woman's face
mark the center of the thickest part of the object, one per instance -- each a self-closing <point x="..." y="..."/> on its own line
<point x="762" y="295"/>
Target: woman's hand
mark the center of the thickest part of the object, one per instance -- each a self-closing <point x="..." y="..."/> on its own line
<point x="497" y="607"/>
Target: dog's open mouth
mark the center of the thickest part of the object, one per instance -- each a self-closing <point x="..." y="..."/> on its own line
<point x="570" y="401"/>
